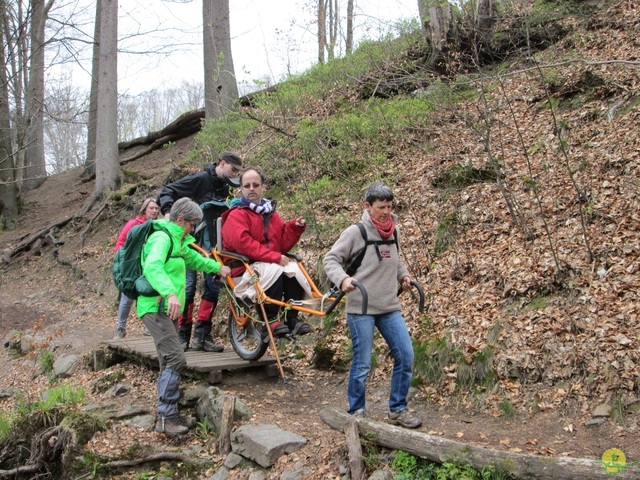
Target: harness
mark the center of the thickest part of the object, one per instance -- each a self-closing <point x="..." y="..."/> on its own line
<point x="357" y="261"/>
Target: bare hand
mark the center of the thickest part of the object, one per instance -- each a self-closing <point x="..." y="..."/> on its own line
<point x="406" y="283"/>
<point x="284" y="260"/>
<point x="174" y="307"/>
<point x="347" y="285"/>
<point x="224" y="271"/>
<point x="300" y="222"/>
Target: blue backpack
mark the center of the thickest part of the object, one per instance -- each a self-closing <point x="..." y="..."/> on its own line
<point x="127" y="263"/>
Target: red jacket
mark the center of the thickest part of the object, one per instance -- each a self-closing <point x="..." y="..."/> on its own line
<point x="243" y="232"/>
<point x="128" y="226"/>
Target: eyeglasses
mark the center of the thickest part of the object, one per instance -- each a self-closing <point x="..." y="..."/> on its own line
<point x="251" y="185"/>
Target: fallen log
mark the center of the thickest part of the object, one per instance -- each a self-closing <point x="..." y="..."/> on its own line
<point x="440" y="450"/>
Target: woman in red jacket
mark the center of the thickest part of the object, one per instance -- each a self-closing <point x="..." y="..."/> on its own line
<point x="149" y="210"/>
<point x="254" y="229"/>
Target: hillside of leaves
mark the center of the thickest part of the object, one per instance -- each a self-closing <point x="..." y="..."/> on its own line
<point x="517" y="184"/>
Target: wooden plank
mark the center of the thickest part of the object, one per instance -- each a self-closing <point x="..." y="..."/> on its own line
<point x="143" y="350"/>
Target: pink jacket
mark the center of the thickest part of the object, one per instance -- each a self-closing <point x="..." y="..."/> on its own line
<point x="140" y="219"/>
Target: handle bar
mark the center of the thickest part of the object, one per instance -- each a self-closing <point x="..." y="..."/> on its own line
<point x="363" y="292"/>
<point x="420" y="293"/>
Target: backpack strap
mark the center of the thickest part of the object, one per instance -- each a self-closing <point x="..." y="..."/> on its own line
<point x="357" y="261"/>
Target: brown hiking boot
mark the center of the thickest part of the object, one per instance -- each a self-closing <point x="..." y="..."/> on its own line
<point x="171" y="425"/>
<point x="404" y="419"/>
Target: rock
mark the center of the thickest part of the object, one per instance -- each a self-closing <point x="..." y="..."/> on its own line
<point x="209" y="408"/>
<point x="381" y="475"/>
<point x="191" y="396"/>
<point x="146" y="422"/>
<point x="118" y="390"/>
<point x="602" y="410"/>
<point x="298" y="472"/>
<point x="221" y="474"/>
<point x="232" y="461"/>
<point x="264" y="444"/>
<point x="594" y="422"/>
<point x="257" y="475"/>
<point x="65" y="365"/>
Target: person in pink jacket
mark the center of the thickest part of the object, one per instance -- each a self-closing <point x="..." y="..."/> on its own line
<point x="149" y="210"/>
<point x="253" y="228"/>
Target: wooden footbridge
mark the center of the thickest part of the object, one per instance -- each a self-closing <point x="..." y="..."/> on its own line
<point x="200" y="364"/>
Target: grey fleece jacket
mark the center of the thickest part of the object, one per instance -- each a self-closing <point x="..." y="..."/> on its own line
<point x="380" y="278"/>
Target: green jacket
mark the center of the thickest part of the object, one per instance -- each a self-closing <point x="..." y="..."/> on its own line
<point x="170" y="277"/>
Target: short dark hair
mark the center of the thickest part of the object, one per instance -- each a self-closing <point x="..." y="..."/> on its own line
<point x="378" y="191"/>
<point x="232" y="159"/>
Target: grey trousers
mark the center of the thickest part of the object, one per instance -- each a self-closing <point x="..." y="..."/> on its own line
<point x="171" y="358"/>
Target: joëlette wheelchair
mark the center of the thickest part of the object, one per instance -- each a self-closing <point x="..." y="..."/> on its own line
<point x="246" y="318"/>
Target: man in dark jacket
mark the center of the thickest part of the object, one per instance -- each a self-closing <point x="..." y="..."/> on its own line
<point x="209" y="185"/>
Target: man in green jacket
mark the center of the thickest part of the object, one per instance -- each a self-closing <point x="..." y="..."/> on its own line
<point x="160" y="313"/>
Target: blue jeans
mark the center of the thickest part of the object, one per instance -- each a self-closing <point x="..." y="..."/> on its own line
<point x="211" y="290"/>
<point x="394" y="330"/>
<point x="124" y="309"/>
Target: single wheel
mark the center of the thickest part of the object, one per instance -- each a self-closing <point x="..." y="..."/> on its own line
<point x="246" y="340"/>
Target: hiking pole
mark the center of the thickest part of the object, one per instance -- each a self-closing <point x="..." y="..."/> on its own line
<point x="273" y="342"/>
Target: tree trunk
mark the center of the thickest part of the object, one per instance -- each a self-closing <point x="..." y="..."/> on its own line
<point x="438" y="449"/>
<point x="9" y="199"/>
<point x="220" y="87"/>
<point x="107" y="166"/>
<point x="484" y="20"/>
<point x="90" y="160"/>
<point x="333" y="29"/>
<point x="35" y="171"/>
<point x="322" y="32"/>
<point x="349" y="41"/>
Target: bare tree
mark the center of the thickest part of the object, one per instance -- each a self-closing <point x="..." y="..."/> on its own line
<point x="35" y="170"/>
<point x="349" y="41"/>
<point x="108" y="173"/>
<point x="322" y="29"/>
<point x="65" y="127"/>
<point x="90" y="159"/>
<point x="220" y="87"/>
<point x="9" y="201"/>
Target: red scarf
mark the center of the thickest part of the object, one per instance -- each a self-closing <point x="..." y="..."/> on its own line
<point x="385" y="229"/>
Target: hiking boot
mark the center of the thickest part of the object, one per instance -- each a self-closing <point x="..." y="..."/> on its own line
<point x="360" y="413"/>
<point x="404" y="419"/>
<point x="184" y="345"/>
<point x="145" y="331"/>
<point x="278" y="329"/>
<point x="211" y="346"/>
<point x="206" y="345"/>
<point x="171" y="425"/>
<point x="186" y="421"/>
<point x="296" y="327"/>
<point x="121" y="332"/>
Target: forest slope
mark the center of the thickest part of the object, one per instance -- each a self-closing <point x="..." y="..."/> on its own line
<point x="532" y="270"/>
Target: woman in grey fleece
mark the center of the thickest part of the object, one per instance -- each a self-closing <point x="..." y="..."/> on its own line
<point x="380" y="273"/>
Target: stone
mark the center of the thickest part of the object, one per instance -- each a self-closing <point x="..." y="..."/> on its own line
<point x="264" y="444"/>
<point x="602" y="410"/>
<point x="209" y="409"/>
<point x="65" y="366"/>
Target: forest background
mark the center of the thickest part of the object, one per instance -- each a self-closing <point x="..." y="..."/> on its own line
<point x="513" y="149"/>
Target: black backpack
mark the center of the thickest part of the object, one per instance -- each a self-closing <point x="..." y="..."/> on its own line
<point x="127" y="263"/>
<point x="357" y="260"/>
<point x="206" y="233"/>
